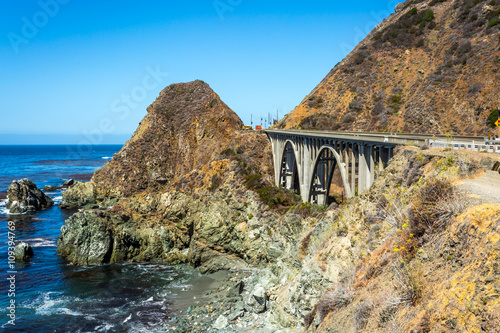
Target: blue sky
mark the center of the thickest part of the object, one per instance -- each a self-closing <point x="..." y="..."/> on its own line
<point x="74" y="70"/>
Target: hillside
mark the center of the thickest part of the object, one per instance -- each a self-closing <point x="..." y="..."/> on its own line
<point x="431" y="67"/>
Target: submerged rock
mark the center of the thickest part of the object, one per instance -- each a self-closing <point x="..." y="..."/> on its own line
<point x="23" y="251"/>
<point x="23" y="195"/>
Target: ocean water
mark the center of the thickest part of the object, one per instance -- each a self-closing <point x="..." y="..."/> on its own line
<point x="51" y="295"/>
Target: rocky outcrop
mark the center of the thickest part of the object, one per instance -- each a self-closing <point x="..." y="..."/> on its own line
<point x="83" y="194"/>
<point x="176" y="191"/>
<point x="218" y="234"/>
<point x="23" y="196"/>
<point x="184" y="129"/>
<point x="23" y="251"/>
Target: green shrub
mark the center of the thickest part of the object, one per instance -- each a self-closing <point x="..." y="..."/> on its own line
<point x="494" y="21"/>
<point x="428" y="16"/>
<point x="253" y="181"/>
<point x="213" y="103"/>
<point x="216" y="182"/>
<point x="228" y="152"/>
<point x="273" y="196"/>
<point x="395" y="102"/>
<point x="492" y="118"/>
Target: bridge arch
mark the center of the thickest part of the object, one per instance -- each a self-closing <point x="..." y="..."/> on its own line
<point x="325" y="163"/>
<point x="289" y="176"/>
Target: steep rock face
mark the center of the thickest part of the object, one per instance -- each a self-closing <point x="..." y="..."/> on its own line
<point x="23" y="196"/>
<point x="176" y="191"/>
<point x="431" y="67"/>
<point x="186" y="125"/>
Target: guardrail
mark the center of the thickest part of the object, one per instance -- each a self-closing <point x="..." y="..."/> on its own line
<point x="472" y="143"/>
<point x="473" y="146"/>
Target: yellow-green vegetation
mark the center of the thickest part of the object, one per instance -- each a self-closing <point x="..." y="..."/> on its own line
<point x="274" y="197"/>
<point x="433" y="265"/>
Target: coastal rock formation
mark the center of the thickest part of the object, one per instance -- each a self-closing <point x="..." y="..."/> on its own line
<point x="23" y="251"/>
<point x="184" y="129"/>
<point x="177" y="191"/>
<point x="430" y="67"/>
<point x="23" y="196"/>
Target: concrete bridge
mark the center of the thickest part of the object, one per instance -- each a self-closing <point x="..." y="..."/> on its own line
<point x="305" y="161"/>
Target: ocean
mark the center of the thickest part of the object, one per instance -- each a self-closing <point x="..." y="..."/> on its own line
<point x="51" y="295"/>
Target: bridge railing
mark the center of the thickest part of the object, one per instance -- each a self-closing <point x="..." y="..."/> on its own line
<point x="472" y="146"/>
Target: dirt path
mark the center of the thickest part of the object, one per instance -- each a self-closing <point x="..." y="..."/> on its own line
<point x="483" y="189"/>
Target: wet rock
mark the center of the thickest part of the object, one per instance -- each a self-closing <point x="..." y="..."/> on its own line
<point x="23" y="251"/>
<point x="257" y="300"/>
<point x="69" y="182"/>
<point x="220" y="323"/>
<point x="85" y="239"/>
<point x="97" y="236"/>
<point x="50" y="188"/>
<point x="23" y="196"/>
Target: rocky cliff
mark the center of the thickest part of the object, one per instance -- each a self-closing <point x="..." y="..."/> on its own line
<point x="431" y="67"/>
<point x="177" y="191"/>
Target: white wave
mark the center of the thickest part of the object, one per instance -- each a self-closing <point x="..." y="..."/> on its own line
<point x="106" y="158"/>
<point x="127" y="319"/>
<point x="70" y="312"/>
<point x="57" y="200"/>
<point x="104" y="328"/>
<point x="3" y="207"/>
<point x="41" y="242"/>
<point x="50" y="303"/>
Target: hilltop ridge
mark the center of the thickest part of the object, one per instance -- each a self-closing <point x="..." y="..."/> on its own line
<point x="431" y="67"/>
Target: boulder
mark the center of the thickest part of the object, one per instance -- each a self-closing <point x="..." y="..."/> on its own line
<point x="23" y="251"/>
<point x="220" y="323"/>
<point x="68" y="183"/>
<point x="23" y="196"/>
<point x="50" y="188"/>
<point x="399" y="7"/>
<point x="79" y="195"/>
<point x="236" y="290"/>
<point x="257" y="300"/>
